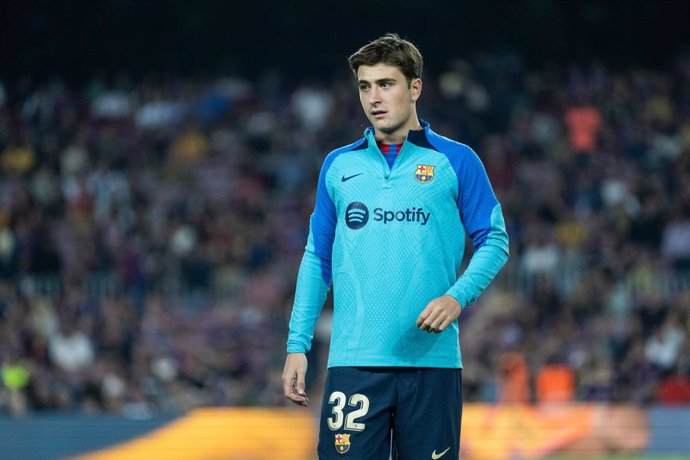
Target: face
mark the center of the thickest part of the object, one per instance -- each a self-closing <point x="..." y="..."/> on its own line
<point x="388" y="101"/>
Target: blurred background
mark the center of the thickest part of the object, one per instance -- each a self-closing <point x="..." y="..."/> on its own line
<point x="157" y="167"/>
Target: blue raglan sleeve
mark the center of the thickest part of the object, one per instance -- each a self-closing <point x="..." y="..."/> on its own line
<point x="483" y="220"/>
<point x="314" y="276"/>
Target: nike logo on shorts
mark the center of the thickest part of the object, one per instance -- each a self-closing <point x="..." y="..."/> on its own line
<point x="436" y="456"/>
<point x="347" y="178"/>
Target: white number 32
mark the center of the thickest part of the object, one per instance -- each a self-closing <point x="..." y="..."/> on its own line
<point x="338" y="399"/>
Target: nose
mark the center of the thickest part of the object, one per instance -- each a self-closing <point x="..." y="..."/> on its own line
<point x="374" y="95"/>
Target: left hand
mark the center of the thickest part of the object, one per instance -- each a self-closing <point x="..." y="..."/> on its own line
<point x="438" y="314"/>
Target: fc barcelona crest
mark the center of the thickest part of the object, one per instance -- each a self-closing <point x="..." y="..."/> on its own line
<point x="424" y="173"/>
<point x="342" y="443"/>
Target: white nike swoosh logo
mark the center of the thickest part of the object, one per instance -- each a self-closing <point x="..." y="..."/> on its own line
<point x="436" y="456"/>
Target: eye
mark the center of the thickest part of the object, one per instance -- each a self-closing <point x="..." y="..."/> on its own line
<point x="363" y="88"/>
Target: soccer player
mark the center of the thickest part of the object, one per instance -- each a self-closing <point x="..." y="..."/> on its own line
<point x="388" y="230"/>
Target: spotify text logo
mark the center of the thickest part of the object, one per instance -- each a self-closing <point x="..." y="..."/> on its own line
<point x="357" y="215"/>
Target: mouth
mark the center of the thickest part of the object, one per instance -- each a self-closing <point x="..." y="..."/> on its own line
<point x="378" y="113"/>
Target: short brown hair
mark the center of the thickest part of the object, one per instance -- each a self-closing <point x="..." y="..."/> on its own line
<point x="392" y="50"/>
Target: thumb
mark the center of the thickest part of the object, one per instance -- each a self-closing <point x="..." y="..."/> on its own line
<point x="299" y="384"/>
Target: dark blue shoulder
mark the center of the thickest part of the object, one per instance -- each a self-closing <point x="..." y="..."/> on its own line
<point x="361" y="144"/>
<point x="456" y="152"/>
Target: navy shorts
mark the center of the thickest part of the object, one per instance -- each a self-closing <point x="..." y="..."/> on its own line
<point x="377" y="413"/>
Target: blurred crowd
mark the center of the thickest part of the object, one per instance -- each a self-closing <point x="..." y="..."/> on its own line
<point x="151" y="230"/>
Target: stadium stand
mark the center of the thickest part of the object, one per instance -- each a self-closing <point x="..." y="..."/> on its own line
<point x="150" y="232"/>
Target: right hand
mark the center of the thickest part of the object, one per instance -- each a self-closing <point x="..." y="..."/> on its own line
<point x="293" y="378"/>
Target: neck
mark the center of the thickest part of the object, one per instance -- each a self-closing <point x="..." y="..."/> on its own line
<point x="399" y="135"/>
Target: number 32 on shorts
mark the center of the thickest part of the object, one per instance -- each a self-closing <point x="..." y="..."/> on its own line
<point x="338" y="399"/>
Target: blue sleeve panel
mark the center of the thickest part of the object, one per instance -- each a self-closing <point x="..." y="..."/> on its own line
<point x="322" y="225"/>
<point x="482" y="218"/>
<point x="486" y="261"/>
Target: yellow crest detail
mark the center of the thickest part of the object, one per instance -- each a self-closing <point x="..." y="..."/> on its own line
<point x="342" y="443"/>
<point x="424" y="173"/>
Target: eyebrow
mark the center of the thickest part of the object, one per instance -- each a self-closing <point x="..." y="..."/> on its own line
<point x="379" y="81"/>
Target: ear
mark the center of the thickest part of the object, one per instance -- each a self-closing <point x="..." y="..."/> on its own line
<point x="416" y="89"/>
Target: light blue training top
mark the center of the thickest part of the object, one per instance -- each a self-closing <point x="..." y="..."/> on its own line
<point x="391" y="239"/>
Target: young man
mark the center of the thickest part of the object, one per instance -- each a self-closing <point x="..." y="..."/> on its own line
<point x="388" y="229"/>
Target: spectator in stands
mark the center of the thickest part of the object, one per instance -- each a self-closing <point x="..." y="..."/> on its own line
<point x="143" y="198"/>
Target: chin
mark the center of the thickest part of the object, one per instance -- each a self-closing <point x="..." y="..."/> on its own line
<point x="386" y="128"/>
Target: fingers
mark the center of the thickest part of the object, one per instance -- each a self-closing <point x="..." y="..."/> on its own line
<point x="439" y="314"/>
<point x="432" y="319"/>
<point x="427" y="319"/>
<point x="289" y="391"/>
<point x="433" y="323"/>
<point x="298" y="384"/>
<point x="296" y="395"/>
<point x="293" y="379"/>
<point x="421" y="319"/>
<point x="293" y="392"/>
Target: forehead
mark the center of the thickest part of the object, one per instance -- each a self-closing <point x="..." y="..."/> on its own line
<point x="379" y="71"/>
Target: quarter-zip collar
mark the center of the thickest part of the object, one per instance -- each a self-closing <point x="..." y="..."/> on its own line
<point x="416" y="136"/>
